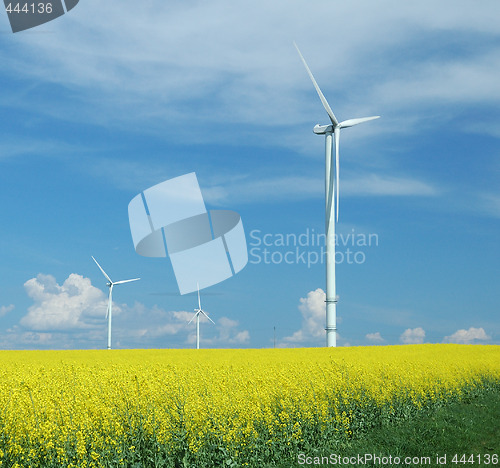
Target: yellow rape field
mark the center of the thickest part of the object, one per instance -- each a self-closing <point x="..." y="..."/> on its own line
<point x="99" y="408"/>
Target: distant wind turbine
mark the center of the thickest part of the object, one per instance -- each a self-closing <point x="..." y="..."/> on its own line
<point x="330" y="187"/>
<point x="199" y="311"/>
<point x="110" y="285"/>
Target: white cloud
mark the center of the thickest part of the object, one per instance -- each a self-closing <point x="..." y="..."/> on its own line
<point x="375" y="337"/>
<point x="36" y="338"/>
<point x="4" y="310"/>
<point x="158" y="325"/>
<point x="155" y="323"/>
<point x="75" y="304"/>
<point x="156" y="60"/>
<point x="228" y="332"/>
<point x="241" y="337"/>
<point x="413" y="336"/>
<point x="247" y="190"/>
<point x="490" y="204"/>
<point x="72" y="315"/>
<point x="467" y="336"/>
<point x="156" y="69"/>
<point x="374" y="184"/>
<point x="233" y="185"/>
<point x="313" y="310"/>
<point x="447" y="81"/>
<point x="12" y="148"/>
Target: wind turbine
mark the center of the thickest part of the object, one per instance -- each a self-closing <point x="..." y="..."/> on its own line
<point x="330" y="187"/>
<point x="199" y="311"/>
<point x="110" y="285"/>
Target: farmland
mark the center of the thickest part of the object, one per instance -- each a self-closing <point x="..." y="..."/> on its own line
<point x="210" y="407"/>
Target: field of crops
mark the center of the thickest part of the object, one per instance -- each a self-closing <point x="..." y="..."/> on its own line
<point x="211" y="407"/>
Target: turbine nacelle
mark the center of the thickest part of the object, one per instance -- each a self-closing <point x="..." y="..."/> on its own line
<point x="323" y="129"/>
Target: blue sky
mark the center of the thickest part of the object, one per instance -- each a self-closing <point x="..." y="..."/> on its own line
<point x="112" y="98"/>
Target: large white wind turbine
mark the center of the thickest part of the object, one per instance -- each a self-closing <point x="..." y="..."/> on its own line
<point x="199" y="311"/>
<point x="110" y="285"/>
<point x="330" y="188"/>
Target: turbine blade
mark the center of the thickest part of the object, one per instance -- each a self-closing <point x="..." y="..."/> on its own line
<point x="352" y="122"/>
<point x="199" y="300"/>
<point x="127" y="281"/>
<point x="318" y="90"/>
<point x="329" y="184"/>
<point x="337" y="167"/>
<point x="110" y="301"/>
<point x="103" y="272"/>
<point x="203" y="312"/>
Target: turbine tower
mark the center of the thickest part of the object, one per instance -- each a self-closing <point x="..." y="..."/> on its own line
<point x="199" y="311"/>
<point x="332" y="191"/>
<point x="110" y="285"/>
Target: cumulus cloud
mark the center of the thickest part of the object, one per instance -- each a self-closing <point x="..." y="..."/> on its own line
<point x="36" y="338"/>
<point x="467" y="336"/>
<point x="4" y="310"/>
<point x="228" y="332"/>
<point x="313" y="310"/>
<point x="225" y="332"/>
<point x="75" y="304"/>
<point x="413" y="336"/>
<point x="375" y="337"/>
<point x="155" y="323"/>
<point x="173" y="328"/>
<point x="72" y="315"/>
